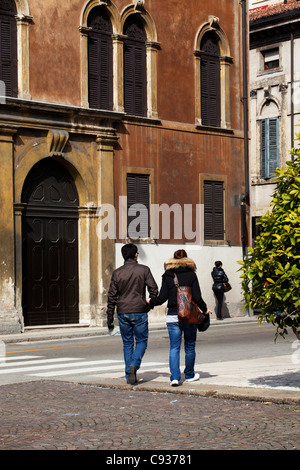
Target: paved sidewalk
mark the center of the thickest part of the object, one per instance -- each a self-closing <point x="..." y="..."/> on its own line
<point x="53" y="415"/>
<point x="237" y="405"/>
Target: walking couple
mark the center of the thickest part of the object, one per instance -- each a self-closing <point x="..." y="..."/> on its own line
<point x="127" y="292"/>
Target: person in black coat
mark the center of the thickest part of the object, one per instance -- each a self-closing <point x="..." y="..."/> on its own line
<point x="185" y="270"/>
<point x="219" y="277"/>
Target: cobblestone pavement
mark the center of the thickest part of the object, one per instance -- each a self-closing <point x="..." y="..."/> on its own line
<point x="53" y="415"/>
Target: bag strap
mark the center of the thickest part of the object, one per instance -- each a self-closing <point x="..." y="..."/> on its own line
<point x="176" y="281"/>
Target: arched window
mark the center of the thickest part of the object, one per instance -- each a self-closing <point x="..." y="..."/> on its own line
<point x="135" y="76"/>
<point x="100" y="66"/>
<point x="8" y="47"/>
<point x="210" y="81"/>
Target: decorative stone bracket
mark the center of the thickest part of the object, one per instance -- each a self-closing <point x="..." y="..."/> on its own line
<point x="213" y="21"/>
<point x="139" y="4"/>
<point x="56" y="142"/>
<point x="283" y="87"/>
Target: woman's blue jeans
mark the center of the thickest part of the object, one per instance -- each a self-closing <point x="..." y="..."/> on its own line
<point x="134" y="332"/>
<point x="189" y="332"/>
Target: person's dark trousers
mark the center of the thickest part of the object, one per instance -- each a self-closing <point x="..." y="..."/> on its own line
<point x="219" y="294"/>
<point x="134" y="332"/>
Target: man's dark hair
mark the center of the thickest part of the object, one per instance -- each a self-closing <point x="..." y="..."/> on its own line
<point x="129" y="251"/>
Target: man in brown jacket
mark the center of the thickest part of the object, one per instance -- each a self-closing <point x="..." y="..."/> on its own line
<point x="127" y="292"/>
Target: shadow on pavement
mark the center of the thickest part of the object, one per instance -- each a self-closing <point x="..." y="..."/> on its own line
<point x="290" y="379"/>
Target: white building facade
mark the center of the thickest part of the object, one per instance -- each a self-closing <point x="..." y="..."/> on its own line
<point x="274" y="107"/>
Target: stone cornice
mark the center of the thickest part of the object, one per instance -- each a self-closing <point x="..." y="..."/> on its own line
<point x="39" y="115"/>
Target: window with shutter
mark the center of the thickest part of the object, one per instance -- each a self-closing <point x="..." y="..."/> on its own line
<point x="100" y="64"/>
<point x="8" y="47"/>
<point x="210" y="81"/>
<point x="213" y="210"/>
<point x="135" y="76"/>
<point x="269" y="146"/>
<point x="271" y="58"/>
<point x="138" y="193"/>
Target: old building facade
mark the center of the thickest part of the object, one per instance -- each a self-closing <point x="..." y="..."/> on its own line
<point x="119" y="120"/>
<point x="274" y="95"/>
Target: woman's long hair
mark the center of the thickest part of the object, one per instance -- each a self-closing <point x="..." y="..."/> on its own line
<point x="180" y="254"/>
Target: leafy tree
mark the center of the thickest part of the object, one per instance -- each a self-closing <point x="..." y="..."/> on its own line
<point x="271" y="271"/>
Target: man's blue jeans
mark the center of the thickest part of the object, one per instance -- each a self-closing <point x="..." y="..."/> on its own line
<point x="133" y="329"/>
<point x="189" y="332"/>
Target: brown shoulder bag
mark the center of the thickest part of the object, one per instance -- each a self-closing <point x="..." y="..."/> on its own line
<point x="187" y="310"/>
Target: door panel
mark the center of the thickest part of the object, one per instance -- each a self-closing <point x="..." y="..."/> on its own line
<point x="50" y="246"/>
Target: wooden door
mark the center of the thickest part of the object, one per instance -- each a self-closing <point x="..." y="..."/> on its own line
<point x="50" y="246"/>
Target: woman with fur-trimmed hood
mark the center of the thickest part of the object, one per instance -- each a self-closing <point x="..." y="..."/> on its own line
<point x="185" y="270"/>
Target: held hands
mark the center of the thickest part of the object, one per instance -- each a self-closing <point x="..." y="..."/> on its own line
<point x="148" y="300"/>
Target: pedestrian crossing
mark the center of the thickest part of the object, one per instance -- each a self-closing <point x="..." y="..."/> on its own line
<point x="45" y="367"/>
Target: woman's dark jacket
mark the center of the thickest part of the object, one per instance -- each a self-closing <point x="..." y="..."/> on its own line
<point x="219" y="277"/>
<point x="185" y="270"/>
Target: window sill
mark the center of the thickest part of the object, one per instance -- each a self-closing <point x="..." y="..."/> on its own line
<point x="264" y="72"/>
<point x="216" y="243"/>
<point x="146" y="241"/>
<point x="141" y="119"/>
<point x="263" y="181"/>
<point x="214" y="130"/>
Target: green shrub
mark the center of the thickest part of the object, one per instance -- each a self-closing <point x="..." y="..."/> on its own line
<point x="271" y="271"/>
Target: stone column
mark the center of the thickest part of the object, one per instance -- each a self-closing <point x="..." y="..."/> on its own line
<point x="118" y="87"/>
<point x="10" y="319"/>
<point x="84" y="30"/>
<point x="23" y="22"/>
<point x="104" y="263"/>
<point x="151" y="50"/>
<point x="225" y="63"/>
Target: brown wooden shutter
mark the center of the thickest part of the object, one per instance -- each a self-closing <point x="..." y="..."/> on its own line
<point x="100" y="72"/>
<point x="100" y="61"/>
<point x="210" y="82"/>
<point x="135" y="75"/>
<point x="8" y="53"/>
<point x="213" y="210"/>
<point x="204" y="92"/>
<point x="138" y="193"/>
<point x="129" y="78"/>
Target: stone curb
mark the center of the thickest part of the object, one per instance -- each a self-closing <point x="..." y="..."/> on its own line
<point x="265" y="395"/>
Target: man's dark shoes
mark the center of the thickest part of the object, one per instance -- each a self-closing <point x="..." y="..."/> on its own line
<point x="132" y="375"/>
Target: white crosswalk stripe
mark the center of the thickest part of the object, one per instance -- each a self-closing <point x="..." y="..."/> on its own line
<point x="67" y="360"/>
<point x="16" y="358"/>
<point x="39" y="366"/>
<point x="37" y="361"/>
<point x="90" y="369"/>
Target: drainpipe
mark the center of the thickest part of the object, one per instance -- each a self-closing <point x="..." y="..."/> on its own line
<point x="245" y="199"/>
<point x="292" y="91"/>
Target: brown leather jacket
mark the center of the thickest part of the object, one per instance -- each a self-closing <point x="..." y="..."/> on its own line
<point x="127" y="289"/>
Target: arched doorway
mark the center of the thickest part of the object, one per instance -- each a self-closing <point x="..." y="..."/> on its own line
<point x="50" y="246"/>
